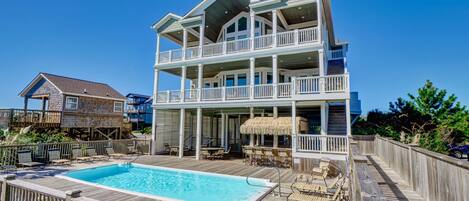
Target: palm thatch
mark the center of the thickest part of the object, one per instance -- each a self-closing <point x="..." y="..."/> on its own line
<point x="273" y="126"/>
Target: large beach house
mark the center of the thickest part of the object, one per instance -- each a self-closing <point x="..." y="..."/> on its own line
<point x="255" y="73"/>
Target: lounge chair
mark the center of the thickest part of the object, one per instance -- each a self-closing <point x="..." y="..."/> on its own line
<point x="25" y="160"/>
<point x="307" y="187"/>
<point x="110" y="152"/>
<point x="92" y="153"/>
<point x="299" y="196"/>
<point x="54" y="157"/>
<point x="205" y="154"/>
<point x="324" y="164"/>
<point x="77" y="154"/>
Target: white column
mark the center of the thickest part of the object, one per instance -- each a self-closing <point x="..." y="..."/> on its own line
<point x="275" y="75"/>
<point x="322" y="73"/>
<point x="183" y="82"/>
<point x="199" y="133"/>
<point x="153" y="125"/>
<point x="252" y="28"/>
<point x="222" y="137"/>
<point x="252" y="74"/>
<point x="323" y="126"/>
<point x="347" y="117"/>
<point x="293" y="123"/>
<point x="323" y="119"/>
<point x="319" y="12"/>
<point x="157" y="48"/>
<point x="251" y="136"/>
<point x="200" y="81"/>
<point x="182" y="118"/>
<point x="274" y="27"/>
<point x="227" y="140"/>
<point x="184" y="43"/>
<point x="201" y="35"/>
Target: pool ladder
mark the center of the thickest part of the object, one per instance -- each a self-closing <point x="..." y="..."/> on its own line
<point x="279" y="184"/>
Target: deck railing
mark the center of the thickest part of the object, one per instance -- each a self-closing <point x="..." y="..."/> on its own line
<point x="283" y="39"/>
<point x="21" y="116"/>
<point x="301" y="86"/>
<point x="9" y="153"/>
<point x="322" y="144"/>
<point x="19" y="190"/>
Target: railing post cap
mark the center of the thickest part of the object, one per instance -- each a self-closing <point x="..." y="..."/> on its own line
<point x="73" y="193"/>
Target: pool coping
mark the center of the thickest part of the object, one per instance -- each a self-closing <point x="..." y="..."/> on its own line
<point x="256" y="197"/>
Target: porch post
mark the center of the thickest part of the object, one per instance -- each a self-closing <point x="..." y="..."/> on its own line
<point x="155" y="100"/>
<point x="322" y="73"/>
<point x="201" y="35"/>
<point x="157" y="48"/>
<point x="252" y="28"/>
<point x="199" y="133"/>
<point x="252" y="72"/>
<point x="319" y="12"/>
<point x="275" y="76"/>
<point x="251" y="136"/>
<point x="183" y="82"/>
<point x="222" y="137"/>
<point x="182" y="118"/>
<point x="293" y="128"/>
<point x="347" y="117"/>
<point x="200" y="81"/>
<point x="275" y="136"/>
<point x="274" y="28"/>
<point x="323" y="126"/>
<point x="43" y="109"/>
<point x="184" y="43"/>
<point x="25" y="115"/>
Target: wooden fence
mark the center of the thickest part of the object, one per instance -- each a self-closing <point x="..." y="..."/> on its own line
<point x="9" y="153"/>
<point x="363" y="186"/>
<point x="432" y="175"/>
<point x="19" y="190"/>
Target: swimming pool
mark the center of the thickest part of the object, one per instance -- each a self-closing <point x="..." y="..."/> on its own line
<point x="170" y="184"/>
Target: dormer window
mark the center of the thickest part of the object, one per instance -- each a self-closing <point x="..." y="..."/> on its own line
<point x="238" y="27"/>
<point x="231" y="28"/>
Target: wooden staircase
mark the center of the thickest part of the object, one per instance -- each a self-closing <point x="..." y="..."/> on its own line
<point x="337" y="124"/>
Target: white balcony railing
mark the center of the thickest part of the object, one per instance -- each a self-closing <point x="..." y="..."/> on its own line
<point x="237" y="93"/>
<point x="283" y="39"/>
<point x="322" y="144"/>
<point x="302" y="86"/>
<point x="264" y="91"/>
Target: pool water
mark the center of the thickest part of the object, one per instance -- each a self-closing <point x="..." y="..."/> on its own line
<point x="173" y="183"/>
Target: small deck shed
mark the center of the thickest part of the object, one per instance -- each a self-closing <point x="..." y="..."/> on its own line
<point x="85" y="109"/>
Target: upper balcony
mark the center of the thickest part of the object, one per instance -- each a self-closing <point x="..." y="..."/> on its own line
<point x="295" y="38"/>
<point x="331" y="87"/>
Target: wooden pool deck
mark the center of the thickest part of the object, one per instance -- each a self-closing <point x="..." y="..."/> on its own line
<point x="232" y="167"/>
<point x="389" y="182"/>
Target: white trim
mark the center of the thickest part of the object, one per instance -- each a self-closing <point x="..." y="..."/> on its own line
<point x="163" y="20"/>
<point x="67" y="98"/>
<point x="121" y="106"/>
<point x="35" y="81"/>
<point x="92" y="96"/>
<point x="263" y="3"/>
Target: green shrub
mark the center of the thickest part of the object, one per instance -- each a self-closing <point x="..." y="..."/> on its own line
<point x="146" y="131"/>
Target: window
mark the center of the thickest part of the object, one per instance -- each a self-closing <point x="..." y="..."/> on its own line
<point x="242" y="80"/>
<point x="71" y="103"/>
<point x="269" y="78"/>
<point x="229" y="80"/>
<point x="207" y="85"/>
<point x="230" y="39"/>
<point x="257" y="79"/>
<point x="118" y="106"/>
<point x="258" y="24"/>
<point x="231" y="28"/>
<point x="215" y="84"/>
<point x="242" y="24"/>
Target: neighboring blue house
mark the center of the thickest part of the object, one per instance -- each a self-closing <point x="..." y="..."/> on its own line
<point x="139" y="110"/>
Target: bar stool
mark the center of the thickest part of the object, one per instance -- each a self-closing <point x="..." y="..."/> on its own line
<point x="259" y="156"/>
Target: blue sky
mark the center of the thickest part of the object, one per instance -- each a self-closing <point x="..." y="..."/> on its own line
<point x="394" y="45"/>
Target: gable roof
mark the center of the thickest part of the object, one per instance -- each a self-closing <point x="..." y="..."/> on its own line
<point x="165" y="19"/>
<point x="76" y="87"/>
